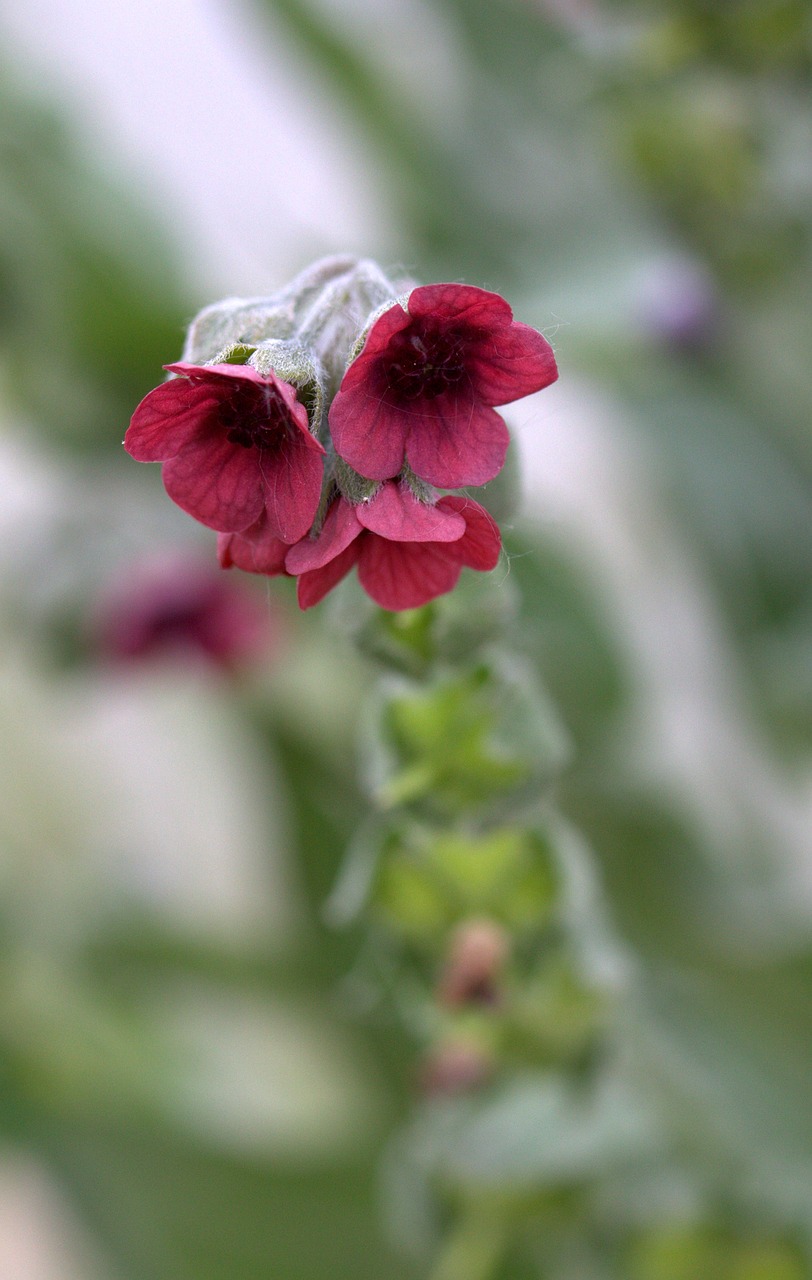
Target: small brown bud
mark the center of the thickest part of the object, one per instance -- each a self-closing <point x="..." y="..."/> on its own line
<point x="476" y="958"/>
<point x="455" y="1067"/>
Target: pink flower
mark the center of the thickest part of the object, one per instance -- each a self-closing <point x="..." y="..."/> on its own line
<point x="407" y="552"/>
<point x="424" y="386"/>
<point x="179" y="607"/>
<point x="235" y="446"/>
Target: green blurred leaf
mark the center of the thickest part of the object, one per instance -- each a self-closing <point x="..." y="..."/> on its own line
<point x="731" y="1044"/>
<point x="93" y="303"/>
<point x="545" y="1131"/>
<point x="165" y="1208"/>
<point x="462" y="743"/>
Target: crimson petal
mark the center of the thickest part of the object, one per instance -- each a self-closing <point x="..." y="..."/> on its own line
<point x="291" y="480"/>
<point x="340" y="528"/>
<point x="255" y="550"/>
<point x="508" y="364"/>
<point x="314" y="585"/>
<point x="392" y="322"/>
<point x="171" y="417"/>
<point x="456" y="441"/>
<point x="221" y="377"/>
<point x="481" y="544"/>
<point x="216" y="482"/>
<point x="400" y="575"/>
<point x="367" y="432"/>
<point x="460" y="304"/>
<point x="396" y="514"/>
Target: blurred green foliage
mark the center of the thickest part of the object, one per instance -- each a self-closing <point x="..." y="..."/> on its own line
<point x="91" y="305"/>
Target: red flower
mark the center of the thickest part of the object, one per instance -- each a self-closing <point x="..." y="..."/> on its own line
<point x="407" y="552"/>
<point x="182" y="608"/>
<point x="256" y="550"/>
<point x="425" y="382"/>
<point x="235" y="446"/>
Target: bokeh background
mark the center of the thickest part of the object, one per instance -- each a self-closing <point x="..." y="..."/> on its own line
<point x="188" y="1087"/>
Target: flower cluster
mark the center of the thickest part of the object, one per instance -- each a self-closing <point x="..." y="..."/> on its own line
<point x="314" y="429"/>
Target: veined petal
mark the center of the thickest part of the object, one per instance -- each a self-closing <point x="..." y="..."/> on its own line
<point x="314" y="585"/>
<point x="340" y="528"/>
<point x="506" y="364"/>
<point x="199" y="374"/>
<point x="455" y="441"/>
<point x="291" y="480"/>
<point x="216" y="482"/>
<point x="220" y="378"/>
<point x="396" y="514"/>
<point x="169" y="418"/>
<point x="460" y="304"/>
<point x="481" y="544"/>
<point x="368" y="433"/>
<point x="403" y="575"/>
<point x="256" y="550"/>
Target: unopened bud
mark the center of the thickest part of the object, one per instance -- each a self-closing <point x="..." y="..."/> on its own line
<point x="456" y="1067"/>
<point x="233" y="323"/>
<point x="340" y="316"/>
<point x="237" y="322"/>
<point x="473" y="969"/>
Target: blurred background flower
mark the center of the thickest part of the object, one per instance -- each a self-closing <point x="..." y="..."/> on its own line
<point x="182" y="609"/>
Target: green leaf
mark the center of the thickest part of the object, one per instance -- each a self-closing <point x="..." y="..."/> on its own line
<point x="462" y="743"/>
<point x="164" y="1208"/>
<point x="730" y="1048"/>
<point x="543" y="1131"/>
<point x="95" y="306"/>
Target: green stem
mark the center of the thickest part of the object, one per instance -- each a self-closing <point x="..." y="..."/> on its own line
<point x="475" y="1247"/>
<point x="407" y="785"/>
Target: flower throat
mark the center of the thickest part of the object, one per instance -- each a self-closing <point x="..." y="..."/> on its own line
<point x="254" y="417"/>
<point x="427" y="363"/>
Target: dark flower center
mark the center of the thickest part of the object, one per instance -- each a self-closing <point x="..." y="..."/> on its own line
<point x="180" y="621"/>
<point x="423" y="363"/>
<point x="255" y="416"/>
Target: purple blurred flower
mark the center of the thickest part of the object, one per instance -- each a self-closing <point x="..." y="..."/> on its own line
<point x="677" y="304"/>
<point x="184" y="609"/>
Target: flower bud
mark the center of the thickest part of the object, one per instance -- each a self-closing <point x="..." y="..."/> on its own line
<point x="237" y="322"/>
<point x="459" y="1066"/>
<point x="220" y="330"/>
<point x="331" y="323"/>
<point x="473" y="969"/>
